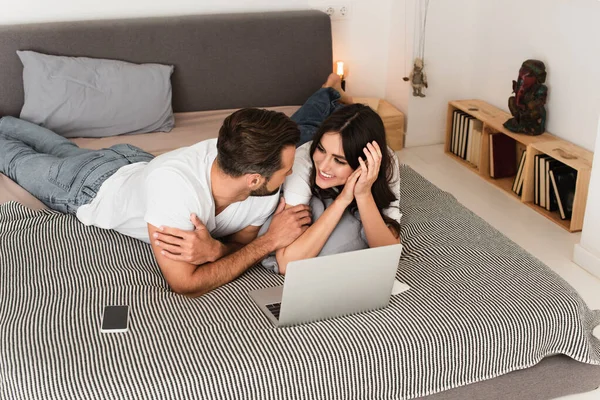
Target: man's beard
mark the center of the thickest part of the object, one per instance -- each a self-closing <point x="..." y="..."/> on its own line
<point x="263" y="191"/>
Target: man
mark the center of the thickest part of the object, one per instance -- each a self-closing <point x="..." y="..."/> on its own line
<point x="230" y="183"/>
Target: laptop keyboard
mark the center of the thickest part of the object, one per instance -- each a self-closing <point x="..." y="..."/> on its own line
<point x="274" y="308"/>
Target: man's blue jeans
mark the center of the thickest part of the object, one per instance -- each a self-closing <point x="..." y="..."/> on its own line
<point x="314" y="111"/>
<point x="55" y="170"/>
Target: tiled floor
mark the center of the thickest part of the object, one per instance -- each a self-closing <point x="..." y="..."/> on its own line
<point x="532" y="231"/>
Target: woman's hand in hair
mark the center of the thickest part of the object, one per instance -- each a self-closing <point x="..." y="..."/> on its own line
<point x="370" y="170"/>
<point x="347" y="194"/>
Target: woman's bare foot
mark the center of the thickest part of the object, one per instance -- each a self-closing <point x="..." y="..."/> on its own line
<point x="335" y="82"/>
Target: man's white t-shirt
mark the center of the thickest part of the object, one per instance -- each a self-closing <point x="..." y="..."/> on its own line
<point x="296" y="188"/>
<point x="166" y="191"/>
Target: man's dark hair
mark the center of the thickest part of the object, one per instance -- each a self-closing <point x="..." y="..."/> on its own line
<point x="251" y="140"/>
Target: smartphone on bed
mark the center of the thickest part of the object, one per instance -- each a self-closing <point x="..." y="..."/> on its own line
<point x="115" y="319"/>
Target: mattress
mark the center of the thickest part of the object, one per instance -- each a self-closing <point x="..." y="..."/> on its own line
<point x="479" y="308"/>
<point x="190" y="128"/>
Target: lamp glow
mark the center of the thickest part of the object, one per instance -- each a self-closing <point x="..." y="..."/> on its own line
<point x="340" y="69"/>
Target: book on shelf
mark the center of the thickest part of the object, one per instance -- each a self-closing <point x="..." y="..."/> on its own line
<point x="517" y="186"/>
<point x="454" y="130"/>
<point x="469" y="152"/>
<point x="564" y="180"/>
<point x="536" y="180"/>
<point x="503" y="156"/>
<point x="467" y="136"/>
<point x="551" y="203"/>
<point x="457" y="132"/>
<point x="463" y="135"/>
<point x="541" y="179"/>
<point x="476" y="139"/>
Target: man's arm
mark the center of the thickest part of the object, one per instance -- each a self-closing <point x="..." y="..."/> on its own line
<point x="193" y="280"/>
<point x="198" y="247"/>
<point x="237" y="240"/>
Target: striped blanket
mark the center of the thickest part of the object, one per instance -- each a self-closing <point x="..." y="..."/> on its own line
<point x="479" y="306"/>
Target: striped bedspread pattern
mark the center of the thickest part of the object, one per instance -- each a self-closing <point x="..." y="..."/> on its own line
<point x="479" y="306"/>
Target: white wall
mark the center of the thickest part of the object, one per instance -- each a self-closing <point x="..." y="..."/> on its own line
<point x="587" y="252"/>
<point x="474" y="50"/>
<point x="25" y="11"/>
<point x="399" y="53"/>
<point x="449" y="49"/>
<point x="361" y="41"/>
<point x="563" y="34"/>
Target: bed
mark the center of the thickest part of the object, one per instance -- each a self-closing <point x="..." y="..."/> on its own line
<point x="483" y="318"/>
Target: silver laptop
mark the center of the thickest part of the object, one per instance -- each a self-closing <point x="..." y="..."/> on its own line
<point x="331" y="286"/>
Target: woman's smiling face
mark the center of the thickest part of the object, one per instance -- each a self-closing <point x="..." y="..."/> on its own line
<point x="331" y="167"/>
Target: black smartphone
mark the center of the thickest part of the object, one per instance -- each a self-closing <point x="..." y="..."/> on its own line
<point x="115" y="319"/>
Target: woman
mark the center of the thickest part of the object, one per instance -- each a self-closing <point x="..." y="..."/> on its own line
<point x="346" y="173"/>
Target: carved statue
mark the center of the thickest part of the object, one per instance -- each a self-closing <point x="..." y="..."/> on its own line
<point x="417" y="78"/>
<point x="527" y="105"/>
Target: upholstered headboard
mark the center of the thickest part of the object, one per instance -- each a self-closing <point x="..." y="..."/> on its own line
<point x="221" y="61"/>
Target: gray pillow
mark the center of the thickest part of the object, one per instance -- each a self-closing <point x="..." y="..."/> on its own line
<point x="88" y="97"/>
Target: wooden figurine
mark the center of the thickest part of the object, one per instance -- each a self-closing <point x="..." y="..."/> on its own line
<point x="527" y="105"/>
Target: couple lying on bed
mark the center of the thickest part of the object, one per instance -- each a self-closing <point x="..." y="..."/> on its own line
<point x="227" y="188"/>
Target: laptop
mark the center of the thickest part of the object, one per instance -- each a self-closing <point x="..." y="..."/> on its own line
<point x="331" y="286"/>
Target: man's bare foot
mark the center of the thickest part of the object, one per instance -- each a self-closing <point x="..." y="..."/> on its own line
<point x="335" y="82"/>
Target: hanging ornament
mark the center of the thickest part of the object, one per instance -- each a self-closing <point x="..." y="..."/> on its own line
<point x="417" y="77"/>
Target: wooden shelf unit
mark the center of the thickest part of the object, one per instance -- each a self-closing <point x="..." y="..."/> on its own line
<point x="546" y="143"/>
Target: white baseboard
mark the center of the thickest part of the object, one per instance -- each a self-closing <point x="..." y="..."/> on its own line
<point x="586" y="260"/>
